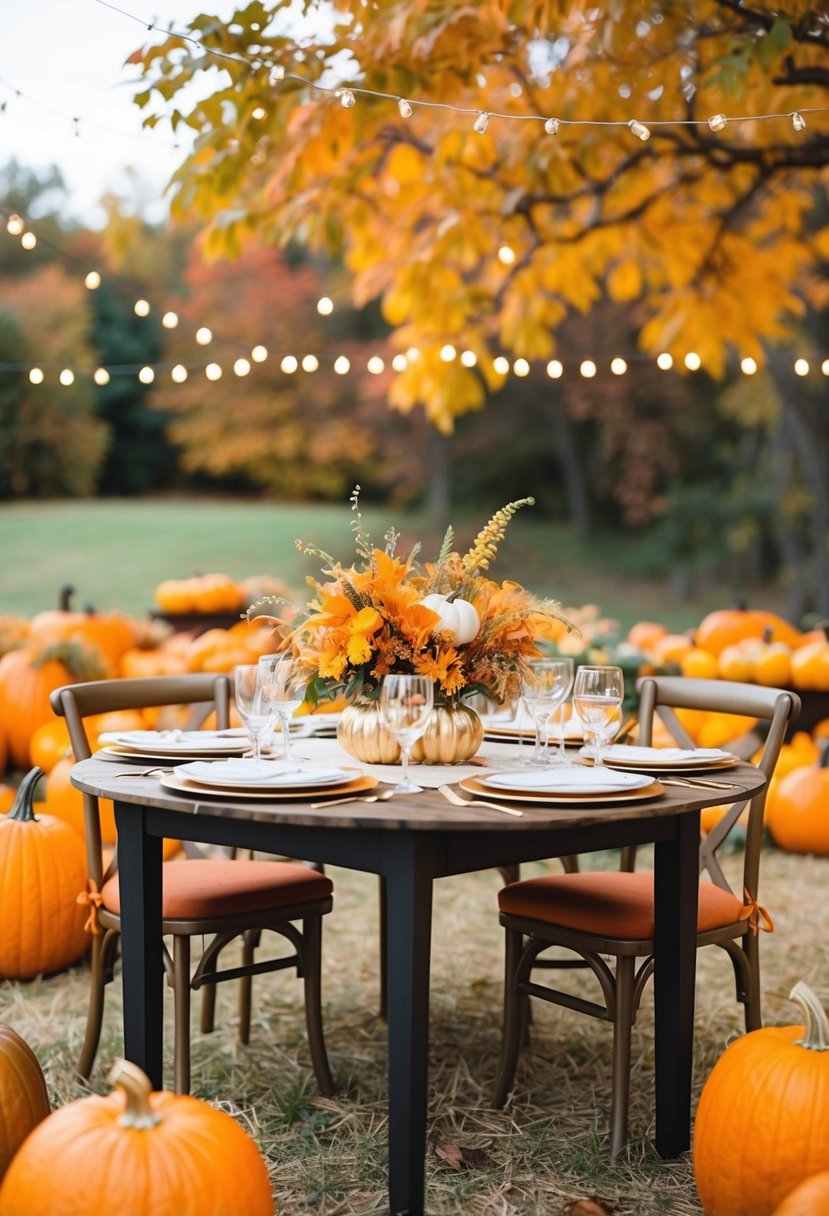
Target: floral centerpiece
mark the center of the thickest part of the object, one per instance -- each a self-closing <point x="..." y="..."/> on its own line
<point x="444" y="619"/>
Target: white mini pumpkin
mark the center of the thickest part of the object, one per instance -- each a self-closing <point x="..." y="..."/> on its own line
<point x="458" y="617"/>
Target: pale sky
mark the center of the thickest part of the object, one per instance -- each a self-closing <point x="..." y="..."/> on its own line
<point x="64" y="58"/>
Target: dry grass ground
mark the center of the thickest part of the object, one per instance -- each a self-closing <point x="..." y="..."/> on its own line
<point x="547" y="1148"/>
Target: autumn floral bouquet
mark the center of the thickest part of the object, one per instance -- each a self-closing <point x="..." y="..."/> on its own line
<point x="445" y="619"/>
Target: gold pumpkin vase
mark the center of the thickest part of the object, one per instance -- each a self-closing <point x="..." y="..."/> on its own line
<point x="454" y="734"/>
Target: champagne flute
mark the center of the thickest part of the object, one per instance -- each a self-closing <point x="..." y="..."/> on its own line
<point x="546" y="685"/>
<point x="597" y="698"/>
<point x="406" y="704"/>
<point x="255" y="710"/>
<point x="283" y="686"/>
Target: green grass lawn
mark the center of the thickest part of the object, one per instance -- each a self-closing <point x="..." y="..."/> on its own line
<point x="115" y="551"/>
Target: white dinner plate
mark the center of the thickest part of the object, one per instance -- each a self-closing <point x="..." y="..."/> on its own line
<point x="625" y="755"/>
<point x="179" y="742"/>
<point x="575" y="780"/>
<point x="269" y="774"/>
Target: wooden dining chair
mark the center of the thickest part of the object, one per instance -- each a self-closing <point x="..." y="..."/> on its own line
<point x="610" y="915"/>
<point x="219" y="897"/>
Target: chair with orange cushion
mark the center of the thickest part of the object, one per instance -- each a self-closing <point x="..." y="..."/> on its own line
<point x="217" y="897"/>
<point x="601" y="915"/>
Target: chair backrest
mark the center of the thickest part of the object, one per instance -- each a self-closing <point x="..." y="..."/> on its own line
<point x="773" y="709"/>
<point x="76" y="702"/>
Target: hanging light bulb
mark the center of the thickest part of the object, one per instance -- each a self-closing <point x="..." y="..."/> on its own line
<point x="468" y="358"/>
<point x="241" y="367"/>
<point x="204" y="336"/>
<point x="551" y="126"/>
<point x="375" y="365"/>
<point x="170" y="320"/>
<point x="555" y="369"/>
<point x="141" y="308"/>
<point x="447" y="353"/>
<point x="347" y="99"/>
<point x="342" y="365"/>
<point x="692" y="361"/>
<point x="639" y="130"/>
<point x="404" y="107"/>
<point x="36" y="376"/>
<point x="798" y="121"/>
<point x="100" y="376"/>
<point x="664" y="361"/>
<point x="67" y="377"/>
<point x="587" y="368"/>
<point x="501" y="365"/>
<point x="92" y="280"/>
<point x="748" y="366"/>
<point x="289" y="364"/>
<point x="481" y="123"/>
<point x="325" y="306"/>
<point x="28" y="240"/>
<point x="213" y="371"/>
<point x="310" y="363"/>
<point x="14" y="225"/>
<point x="146" y="375"/>
<point x="718" y="122"/>
<point x="179" y="373"/>
<point x="521" y="367"/>
<point x="618" y="366"/>
<point x="259" y="354"/>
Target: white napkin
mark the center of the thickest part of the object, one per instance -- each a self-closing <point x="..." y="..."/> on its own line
<point x="575" y="780"/>
<point x="662" y="755"/>
<point x="269" y="772"/>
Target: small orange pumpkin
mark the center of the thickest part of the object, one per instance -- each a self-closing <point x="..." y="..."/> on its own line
<point x="762" y="1123"/>
<point x="27" y="678"/>
<point x="44" y="870"/>
<point x="137" y="1151"/>
<point x="810" y="1198"/>
<point x="797" y="810"/>
<point x="23" y="1097"/>
<point x="810" y="666"/>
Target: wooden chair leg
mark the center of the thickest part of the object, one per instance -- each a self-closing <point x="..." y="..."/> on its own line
<point x="514" y="1004"/>
<point x="207" y="1017"/>
<point x="103" y="948"/>
<point x="622" y="1022"/>
<point x="250" y="941"/>
<point x="753" y="1010"/>
<point x="312" y="988"/>
<point x="181" y="1013"/>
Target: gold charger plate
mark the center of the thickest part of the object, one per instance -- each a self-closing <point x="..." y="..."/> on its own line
<point x="126" y="753"/>
<point x="183" y="785"/>
<point x="678" y="766"/>
<point x="473" y="785"/>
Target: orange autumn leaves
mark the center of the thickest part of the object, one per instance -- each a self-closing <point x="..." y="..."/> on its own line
<point x="369" y="623"/>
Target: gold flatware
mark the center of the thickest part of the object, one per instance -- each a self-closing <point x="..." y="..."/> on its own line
<point x="147" y="772"/>
<point x="451" y="796"/>
<point x="382" y="796"/>
<point x="698" y="782"/>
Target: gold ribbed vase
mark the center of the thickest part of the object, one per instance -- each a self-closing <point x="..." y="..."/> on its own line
<point x="453" y="735"/>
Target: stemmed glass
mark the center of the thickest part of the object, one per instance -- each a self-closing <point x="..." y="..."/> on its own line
<point x="406" y="704"/>
<point x="597" y="698"/>
<point x="546" y="685"/>
<point x="256" y="712"/>
<point x="283" y="686"/>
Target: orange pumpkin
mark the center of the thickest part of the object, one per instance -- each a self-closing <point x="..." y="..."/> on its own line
<point x="27" y="677"/>
<point x="797" y="810"/>
<point x="810" y="1198"/>
<point x="810" y="666"/>
<point x="726" y="626"/>
<point x="736" y="662"/>
<point x="772" y="664"/>
<point x="137" y="1151"/>
<point x="44" y="870"/>
<point x="762" y="1123"/>
<point x="50" y="743"/>
<point x="699" y="664"/>
<point x="23" y="1097"/>
<point x="643" y="634"/>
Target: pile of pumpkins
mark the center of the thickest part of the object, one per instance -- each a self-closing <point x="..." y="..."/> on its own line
<point x="748" y="645"/>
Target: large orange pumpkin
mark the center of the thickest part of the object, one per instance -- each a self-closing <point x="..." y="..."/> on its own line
<point x="762" y="1123"/>
<point x="810" y="666"/>
<point x="797" y="810"/>
<point x="44" y="870"/>
<point x="810" y="1198"/>
<point x="726" y="626"/>
<point x="27" y="678"/>
<point x="109" y="634"/>
<point x="23" y="1097"/>
<point x="137" y="1152"/>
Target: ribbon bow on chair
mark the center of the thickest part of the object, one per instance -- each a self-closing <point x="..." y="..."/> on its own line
<point x="92" y="899"/>
<point x="756" y="915"/>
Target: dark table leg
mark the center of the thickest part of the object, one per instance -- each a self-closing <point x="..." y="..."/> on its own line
<point x="676" y="895"/>
<point x="139" y="871"/>
<point x="382" y="901"/>
<point x="408" y="936"/>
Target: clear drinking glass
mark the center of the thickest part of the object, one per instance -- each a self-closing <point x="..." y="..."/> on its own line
<point x="283" y="686"/>
<point x="546" y="685"/>
<point x="406" y="703"/>
<point x="256" y="712"/>
<point x="597" y="698"/>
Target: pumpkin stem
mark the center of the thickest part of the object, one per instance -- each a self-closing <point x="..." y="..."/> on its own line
<point x="816" y="1036"/>
<point x="23" y="809"/>
<point x="136" y="1088"/>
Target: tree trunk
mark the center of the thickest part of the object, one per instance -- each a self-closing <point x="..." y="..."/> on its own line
<point x="791" y="546"/>
<point x="572" y="469"/>
<point x="440" y="489"/>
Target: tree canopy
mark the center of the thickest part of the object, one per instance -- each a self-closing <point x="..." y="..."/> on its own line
<point x="490" y="239"/>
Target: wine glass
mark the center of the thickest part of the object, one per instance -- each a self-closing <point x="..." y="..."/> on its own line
<point x="406" y="703"/>
<point x="597" y="697"/>
<point x="283" y="686"/>
<point x="256" y="712"/>
<point x="546" y="685"/>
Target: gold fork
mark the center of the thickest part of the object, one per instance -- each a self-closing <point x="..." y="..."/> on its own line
<point x="381" y="796"/>
<point x="452" y="796"/>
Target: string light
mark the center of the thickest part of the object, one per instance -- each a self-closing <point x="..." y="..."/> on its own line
<point x="588" y="369"/>
<point x="259" y="354"/>
<point x="447" y="352"/>
<point x="341" y="365"/>
<point x="310" y="363"/>
<point x="405" y="108"/>
<point x="36" y="375"/>
<point x="213" y="371"/>
<point x="347" y="98"/>
<point x="748" y="366"/>
<point x="506" y="255"/>
<point x="241" y="367"/>
<point x="555" y="369"/>
<point x="146" y="375"/>
<point x="481" y="123"/>
<point x="92" y="281"/>
<point x="28" y="240"/>
<point x="693" y="361"/>
<point x="325" y="306"/>
<point x="521" y="368"/>
<point x="179" y="374"/>
<point x="501" y="365"/>
<point x="289" y="364"/>
<point x="664" y="361"/>
<point x="618" y="367"/>
<point x="170" y="320"/>
<point x="67" y="377"/>
<point x="718" y="122"/>
<point x="551" y="126"/>
<point x="204" y="336"/>
<point x="142" y="308"/>
<point x="801" y="367"/>
<point x="14" y="225"/>
<point x="400" y="362"/>
<point x="798" y="121"/>
<point x="468" y="358"/>
<point x="101" y="376"/>
<point x="375" y="365"/>
<point x="639" y="130"/>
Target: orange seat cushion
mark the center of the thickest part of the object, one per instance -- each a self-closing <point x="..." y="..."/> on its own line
<point x="195" y="889"/>
<point x="616" y="904"/>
